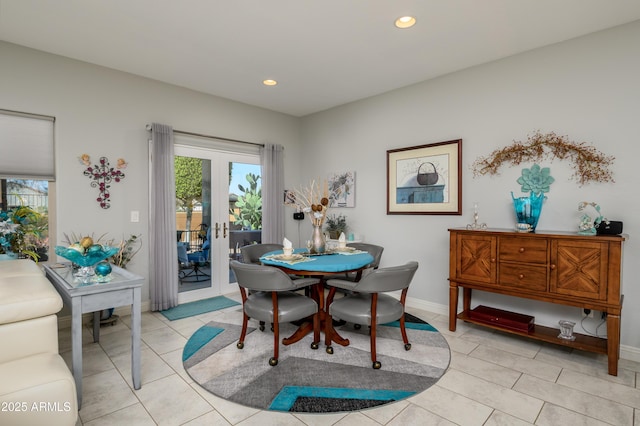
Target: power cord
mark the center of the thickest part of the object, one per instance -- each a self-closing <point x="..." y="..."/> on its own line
<point x="595" y="334"/>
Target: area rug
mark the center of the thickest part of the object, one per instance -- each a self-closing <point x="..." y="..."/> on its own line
<point x="198" y="307"/>
<point x="314" y="381"/>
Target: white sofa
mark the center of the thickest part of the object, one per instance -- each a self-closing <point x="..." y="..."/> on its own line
<point x="36" y="386"/>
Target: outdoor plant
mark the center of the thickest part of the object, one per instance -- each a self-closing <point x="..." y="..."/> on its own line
<point x="248" y="208"/>
<point x="19" y="230"/>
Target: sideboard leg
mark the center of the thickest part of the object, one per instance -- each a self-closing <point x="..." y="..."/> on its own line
<point x="453" y="305"/>
<point x="466" y="299"/>
<point x="613" y="342"/>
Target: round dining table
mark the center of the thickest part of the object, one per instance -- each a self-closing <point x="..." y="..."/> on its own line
<point x="332" y="263"/>
<point x="323" y="266"/>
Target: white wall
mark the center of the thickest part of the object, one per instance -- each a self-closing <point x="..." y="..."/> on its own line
<point x="103" y="112"/>
<point x="587" y="88"/>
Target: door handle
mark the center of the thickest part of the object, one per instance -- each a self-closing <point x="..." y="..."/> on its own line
<point x="217" y="229"/>
<point x="224" y="230"/>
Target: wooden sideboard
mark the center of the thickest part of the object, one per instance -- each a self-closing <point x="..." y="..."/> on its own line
<point x="563" y="268"/>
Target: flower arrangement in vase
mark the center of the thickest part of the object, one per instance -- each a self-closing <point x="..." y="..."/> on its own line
<point x="314" y="201"/>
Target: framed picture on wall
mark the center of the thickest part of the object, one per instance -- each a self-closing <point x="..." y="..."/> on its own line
<point x="342" y="189"/>
<point x="425" y="179"/>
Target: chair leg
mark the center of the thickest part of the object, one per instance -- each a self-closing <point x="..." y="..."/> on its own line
<point x="243" y="333"/>
<point x="403" y="330"/>
<point x="374" y="314"/>
<point x="376" y="363"/>
<point x="276" y="344"/>
<point x="328" y="321"/>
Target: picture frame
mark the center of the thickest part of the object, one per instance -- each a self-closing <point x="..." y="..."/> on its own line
<point x="425" y="179"/>
<point x="342" y="189"/>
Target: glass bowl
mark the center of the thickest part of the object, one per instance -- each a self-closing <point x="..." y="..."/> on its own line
<point x="90" y="257"/>
<point x="86" y="261"/>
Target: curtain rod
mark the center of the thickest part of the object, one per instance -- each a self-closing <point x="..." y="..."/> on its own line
<point x="182" y="132"/>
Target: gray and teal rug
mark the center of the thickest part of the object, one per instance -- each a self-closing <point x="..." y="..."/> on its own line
<point x="313" y="381"/>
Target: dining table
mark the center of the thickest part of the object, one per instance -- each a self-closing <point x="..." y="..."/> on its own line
<point x="336" y="262"/>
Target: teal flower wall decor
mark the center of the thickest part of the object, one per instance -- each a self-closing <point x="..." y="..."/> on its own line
<point x="536" y="179"/>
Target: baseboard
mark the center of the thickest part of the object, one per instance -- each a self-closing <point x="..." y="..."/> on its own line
<point x="424" y="305"/>
<point x="630" y="353"/>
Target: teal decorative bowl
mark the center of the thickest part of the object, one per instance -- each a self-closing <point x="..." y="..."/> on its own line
<point x="90" y="257"/>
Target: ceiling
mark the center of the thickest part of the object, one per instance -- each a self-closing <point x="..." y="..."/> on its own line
<point x="323" y="53"/>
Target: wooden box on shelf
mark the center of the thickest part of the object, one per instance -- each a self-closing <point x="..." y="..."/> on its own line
<point x="502" y="319"/>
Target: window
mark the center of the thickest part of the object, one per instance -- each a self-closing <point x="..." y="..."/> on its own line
<point x="27" y="173"/>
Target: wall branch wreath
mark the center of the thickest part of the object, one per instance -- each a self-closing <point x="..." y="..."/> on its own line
<point x="589" y="164"/>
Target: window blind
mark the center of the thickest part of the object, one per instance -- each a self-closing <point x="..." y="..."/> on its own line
<point x="26" y="146"/>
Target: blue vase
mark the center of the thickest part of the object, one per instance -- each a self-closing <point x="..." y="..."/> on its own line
<point x="528" y="211"/>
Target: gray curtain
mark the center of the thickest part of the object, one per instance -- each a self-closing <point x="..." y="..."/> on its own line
<point x="271" y="159"/>
<point x="163" y="271"/>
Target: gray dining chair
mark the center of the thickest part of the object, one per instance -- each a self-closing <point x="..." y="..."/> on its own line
<point x="373" y="250"/>
<point x="369" y="303"/>
<point x="268" y="294"/>
<point x="253" y="252"/>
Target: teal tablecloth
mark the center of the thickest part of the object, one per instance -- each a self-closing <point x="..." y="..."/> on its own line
<point x="326" y="263"/>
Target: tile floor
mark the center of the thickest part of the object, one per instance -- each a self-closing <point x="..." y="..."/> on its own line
<point x="493" y="379"/>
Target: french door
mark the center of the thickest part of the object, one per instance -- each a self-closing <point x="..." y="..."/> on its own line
<point x="211" y="219"/>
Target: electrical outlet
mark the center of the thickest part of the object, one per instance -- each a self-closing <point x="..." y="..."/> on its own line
<point x="298" y="216"/>
<point x="587" y="313"/>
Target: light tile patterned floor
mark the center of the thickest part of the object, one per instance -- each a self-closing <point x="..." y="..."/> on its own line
<point x="493" y="379"/>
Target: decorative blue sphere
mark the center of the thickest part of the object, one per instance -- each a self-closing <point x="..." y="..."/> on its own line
<point x="103" y="269"/>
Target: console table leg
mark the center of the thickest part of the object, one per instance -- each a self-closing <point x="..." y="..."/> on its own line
<point x="136" y="321"/>
<point x="453" y="306"/>
<point x="76" y="346"/>
<point x="466" y="299"/>
<point x="613" y="342"/>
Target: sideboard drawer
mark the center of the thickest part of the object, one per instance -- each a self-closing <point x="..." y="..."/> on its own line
<point x="525" y="250"/>
<point x="526" y="277"/>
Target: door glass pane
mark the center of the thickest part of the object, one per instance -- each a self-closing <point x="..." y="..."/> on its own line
<point x="245" y="207"/>
<point x="193" y="220"/>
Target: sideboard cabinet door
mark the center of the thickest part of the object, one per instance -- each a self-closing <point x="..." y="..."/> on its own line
<point x="579" y="268"/>
<point x="476" y="254"/>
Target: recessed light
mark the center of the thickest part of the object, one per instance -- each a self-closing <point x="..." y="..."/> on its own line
<point x="405" y="22"/>
<point x="269" y="82"/>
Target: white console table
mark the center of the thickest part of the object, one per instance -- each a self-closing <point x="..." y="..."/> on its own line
<point x="122" y="290"/>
